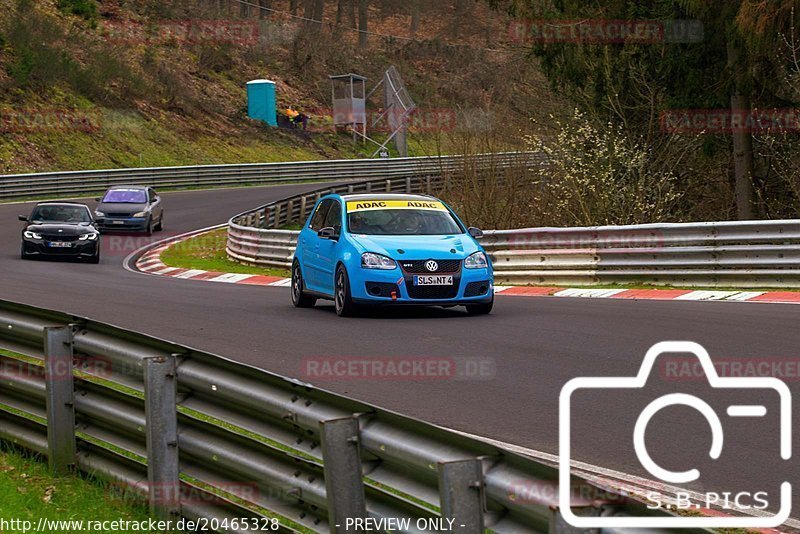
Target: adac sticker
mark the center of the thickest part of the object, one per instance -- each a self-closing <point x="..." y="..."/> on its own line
<point x="378" y="204"/>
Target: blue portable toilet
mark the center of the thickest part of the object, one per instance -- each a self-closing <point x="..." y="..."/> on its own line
<point x="261" y="103"/>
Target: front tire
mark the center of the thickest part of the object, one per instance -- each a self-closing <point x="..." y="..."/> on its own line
<point x="484" y="308"/>
<point x="22" y="254"/>
<point x="299" y="298"/>
<point x="160" y="226"/>
<point x="343" y="299"/>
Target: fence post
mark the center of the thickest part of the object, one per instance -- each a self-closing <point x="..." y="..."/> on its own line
<point x="369" y="187"/>
<point x="428" y="185"/>
<point x="160" y="391"/>
<point x="277" y="216"/>
<point x="408" y="184"/>
<point x="461" y="494"/>
<point x="344" y="484"/>
<point x="266" y="218"/>
<point x="60" y="398"/>
<point x="303" y="208"/>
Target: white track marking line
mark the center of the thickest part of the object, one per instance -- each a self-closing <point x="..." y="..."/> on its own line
<point x="231" y="278"/>
<point x="166" y="270"/>
<point x="708" y="295"/>
<point x="286" y="282"/>
<point x="589" y="293"/>
<point x="630" y="483"/>
<point x="746" y="295"/>
<point x="190" y="274"/>
<point x="153" y="267"/>
<point x="500" y="289"/>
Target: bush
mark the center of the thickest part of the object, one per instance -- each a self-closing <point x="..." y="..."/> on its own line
<point x="83" y="8"/>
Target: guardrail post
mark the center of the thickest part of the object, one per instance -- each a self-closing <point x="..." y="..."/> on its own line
<point x="160" y="391"/>
<point x="277" y="216"/>
<point x="369" y="187"/>
<point x="408" y="184"/>
<point x="344" y="484"/>
<point x="428" y="188"/>
<point x="388" y="186"/>
<point x="266" y="219"/>
<point x="289" y="211"/>
<point x="60" y="398"/>
<point x="461" y="495"/>
<point x="303" y="208"/>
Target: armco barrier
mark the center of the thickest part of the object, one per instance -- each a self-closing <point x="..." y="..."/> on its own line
<point x="749" y="254"/>
<point x="154" y="416"/>
<point x="52" y="184"/>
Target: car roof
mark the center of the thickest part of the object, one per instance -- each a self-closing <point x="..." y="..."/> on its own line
<point x="385" y="196"/>
<point x="56" y="203"/>
<point x="129" y="187"/>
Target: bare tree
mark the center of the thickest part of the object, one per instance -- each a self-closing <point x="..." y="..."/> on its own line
<point x="363" y="10"/>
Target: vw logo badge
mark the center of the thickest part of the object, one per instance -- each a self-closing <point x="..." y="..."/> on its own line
<point x="432" y="265"/>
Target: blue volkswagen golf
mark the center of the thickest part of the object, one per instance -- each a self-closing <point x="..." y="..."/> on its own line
<point x="390" y="249"/>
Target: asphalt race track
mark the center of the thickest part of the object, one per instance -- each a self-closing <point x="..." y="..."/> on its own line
<point x="530" y="347"/>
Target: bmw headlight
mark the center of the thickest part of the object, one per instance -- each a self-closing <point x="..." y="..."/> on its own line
<point x="140" y="214"/>
<point x="370" y="260"/>
<point x="88" y="237"/>
<point x="476" y="261"/>
<point x="99" y="214"/>
<point x="32" y="235"/>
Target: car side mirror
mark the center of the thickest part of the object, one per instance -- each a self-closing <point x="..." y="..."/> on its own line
<point x="477" y="233"/>
<point x="328" y="233"/>
<point x="22" y="218"/>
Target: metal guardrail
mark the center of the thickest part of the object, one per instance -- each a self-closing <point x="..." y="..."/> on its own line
<point x="52" y="184"/>
<point x="255" y="237"/>
<point x="749" y="254"/>
<point x="240" y="442"/>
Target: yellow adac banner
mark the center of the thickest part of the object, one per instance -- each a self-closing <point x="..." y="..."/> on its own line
<point x="378" y="204"/>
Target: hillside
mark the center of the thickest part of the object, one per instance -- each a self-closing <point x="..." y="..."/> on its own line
<point x="123" y="83"/>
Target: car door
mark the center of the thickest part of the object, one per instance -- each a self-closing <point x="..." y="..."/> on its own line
<point x="328" y="248"/>
<point x="310" y="244"/>
<point x="155" y="205"/>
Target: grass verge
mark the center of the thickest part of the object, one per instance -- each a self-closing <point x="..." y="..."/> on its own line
<point x="28" y="492"/>
<point x="207" y="252"/>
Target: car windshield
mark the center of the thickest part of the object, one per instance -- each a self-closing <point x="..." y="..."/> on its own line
<point x="403" y="222"/>
<point x="63" y="214"/>
<point x="126" y="196"/>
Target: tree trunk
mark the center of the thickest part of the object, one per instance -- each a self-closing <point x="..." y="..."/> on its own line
<point x="293" y="7"/>
<point x="244" y="10"/>
<point x="363" y="37"/>
<point x="264" y="13"/>
<point x="415" y="16"/>
<point x="742" y="137"/>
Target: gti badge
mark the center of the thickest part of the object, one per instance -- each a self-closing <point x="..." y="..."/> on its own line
<point x="432" y="266"/>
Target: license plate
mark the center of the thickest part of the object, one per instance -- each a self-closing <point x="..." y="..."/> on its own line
<point x="117" y="222"/>
<point x="433" y="280"/>
<point x="59" y="244"/>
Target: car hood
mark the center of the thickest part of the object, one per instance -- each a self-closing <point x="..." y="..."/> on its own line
<point x="418" y="247"/>
<point x="64" y="229"/>
<point x="120" y="207"/>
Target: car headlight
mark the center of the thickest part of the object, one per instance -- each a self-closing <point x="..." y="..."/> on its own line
<point x="99" y="214"/>
<point x="32" y="235"/>
<point x="140" y="214"/>
<point x="88" y="237"/>
<point x="476" y="261"/>
<point x="370" y="260"/>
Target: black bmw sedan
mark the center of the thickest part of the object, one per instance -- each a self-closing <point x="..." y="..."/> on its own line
<point x="60" y="230"/>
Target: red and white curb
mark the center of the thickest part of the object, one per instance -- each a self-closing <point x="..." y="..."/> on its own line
<point x="150" y="263"/>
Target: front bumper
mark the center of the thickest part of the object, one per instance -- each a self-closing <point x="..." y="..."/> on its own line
<point x="373" y="286"/>
<point x="77" y="249"/>
<point x="123" y="224"/>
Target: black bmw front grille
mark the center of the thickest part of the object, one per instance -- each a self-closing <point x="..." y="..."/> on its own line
<point x="421" y="266"/>
<point x="57" y="237"/>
